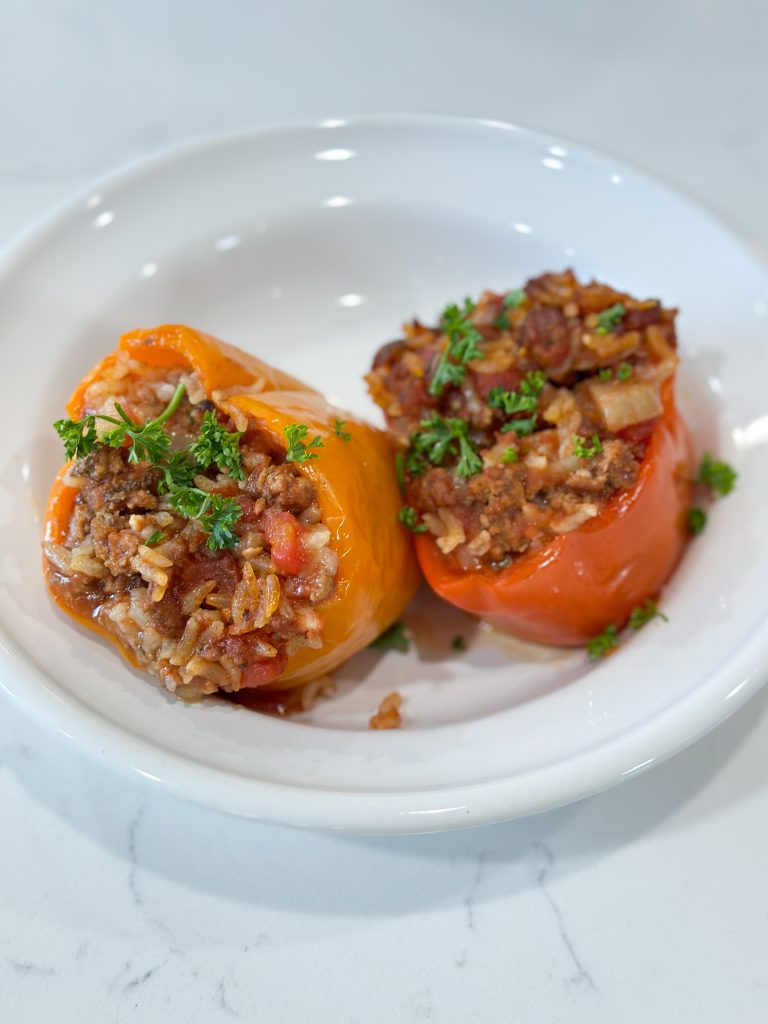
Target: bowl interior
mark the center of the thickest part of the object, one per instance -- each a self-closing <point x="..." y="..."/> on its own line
<point x="309" y="247"/>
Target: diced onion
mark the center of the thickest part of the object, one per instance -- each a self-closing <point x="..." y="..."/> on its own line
<point x="622" y="404"/>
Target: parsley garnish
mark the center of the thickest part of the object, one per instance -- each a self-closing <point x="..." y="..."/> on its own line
<point x="458" y="643"/>
<point x="510" y="455"/>
<point x="584" y="449"/>
<point x="217" y="445"/>
<point x="339" y="430"/>
<point x="409" y="517"/>
<point x="393" y="639"/>
<point x="610" y="318"/>
<point x="440" y="439"/>
<point x="623" y="372"/>
<point x="525" y="399"/>
<point x="178" y="471"/>
<point x="644" y="613"/>
<point x="514" y="299"/>
<point x="718" y="476"/>
<point x="603" y="643"/>
<point x="502" y="322"/>
<point x="463" y="340"/>
<point x="79" y="436"/>
<point x="149" y="443"/>
<point x="298" y="450"/>
<point x="697" y="520"/>
<point x="215" y="514"/>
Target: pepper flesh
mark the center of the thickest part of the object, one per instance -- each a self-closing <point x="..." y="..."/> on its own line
<point x="572" y="588"/>
<point x="354" y="484"/>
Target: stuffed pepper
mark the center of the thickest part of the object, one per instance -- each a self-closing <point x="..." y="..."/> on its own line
<point x="219" y="522"/>
<point x="544" y="467"/>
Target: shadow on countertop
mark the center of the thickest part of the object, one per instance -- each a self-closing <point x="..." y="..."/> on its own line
<point x="257" y="865"/>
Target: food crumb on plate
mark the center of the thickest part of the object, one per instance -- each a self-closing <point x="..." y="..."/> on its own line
<point x="388" y="715"/>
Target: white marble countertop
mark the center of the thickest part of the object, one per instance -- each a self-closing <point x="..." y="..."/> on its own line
<point x="647" y="903"/>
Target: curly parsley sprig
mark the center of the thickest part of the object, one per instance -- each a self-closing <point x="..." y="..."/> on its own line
<point x="340" y="430"/>
<point x="585" y="449"/>
<point x="602" y="644"/>
<point x="216" y="515"/>
<point x="217" y="446"/>
<point x="150" y="443"/>
<point x="462" y="347"/>
<point x="719" y="476"/>
<point x="524" y="400"/>
<point x="409" y="518"/>
<point x="298" y="448"/>
<point x="441" y="438"/>
<point x="396" y="638"/>
<point x="605" y="643"/>
<point x="610" y="318"/>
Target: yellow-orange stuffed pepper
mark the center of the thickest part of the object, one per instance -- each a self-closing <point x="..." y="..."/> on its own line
<point x="221" y="523"/>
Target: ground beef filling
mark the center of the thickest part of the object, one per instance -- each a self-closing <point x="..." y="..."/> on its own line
<point x="602" y="379"/>
<point x="201" y="620"/>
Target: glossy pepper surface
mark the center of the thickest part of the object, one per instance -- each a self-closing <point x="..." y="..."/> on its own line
<point x="354" y="484"/>
<point x="572" y="588"/>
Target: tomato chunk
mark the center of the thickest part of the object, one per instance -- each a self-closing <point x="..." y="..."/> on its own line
<point x="264" y="671"/>
<point x="283" y="534"/>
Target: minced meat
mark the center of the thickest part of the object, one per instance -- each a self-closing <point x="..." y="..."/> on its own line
<point x="532" y="432"/>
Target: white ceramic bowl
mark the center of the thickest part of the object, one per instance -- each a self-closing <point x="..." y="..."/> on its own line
<point x="309" y="246"/>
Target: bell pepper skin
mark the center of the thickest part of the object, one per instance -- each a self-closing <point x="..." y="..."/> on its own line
<point x="359" y="501"/>
<point x="355" y="486"/>
<point x="572" y="588"/>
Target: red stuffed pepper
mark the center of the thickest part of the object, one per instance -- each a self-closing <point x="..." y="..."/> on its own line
<point x="544" y="467"/>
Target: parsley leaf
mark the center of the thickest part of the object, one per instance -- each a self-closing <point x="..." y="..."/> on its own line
<point x="393" y="639"/>
<point x="603" y="643"/>
<point x="298" y="449"/>
<point x="606" y="374"/>
<point x="409" y="517"/>
<point x="340" y="431"/>
<point x="156" y="538"/>
<point x="79" y="436"/>
<point x="462" y="347"/>
<point x="440" y="439"/>
<point x="717" y="475"/>
<point x="584" y="449"/>
<point x="219" y="520"/>
<point x="178" y="471"/>
<point x="644" y="613"/>
<point x="515" y="299"/>
<point x="458" y="643"/>
<point x="624" y="371"/>
<point x="610" y="318"/>
<point x="502" y="321"/>
<point x="149" y="443"/>
<point x="216" y="515"/>
<point x="525" y="399"/>
<point x="510" y="455"/>
<point x="215" y="444"/>
<point x="697" y="520"/>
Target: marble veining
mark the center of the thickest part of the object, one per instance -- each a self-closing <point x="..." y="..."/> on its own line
<point x="546" y="858"/>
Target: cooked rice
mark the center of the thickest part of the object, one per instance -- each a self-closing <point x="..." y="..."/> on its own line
<point x="201" y="621"/>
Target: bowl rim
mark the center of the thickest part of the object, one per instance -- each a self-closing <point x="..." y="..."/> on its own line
<point x="359" y="811"/>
